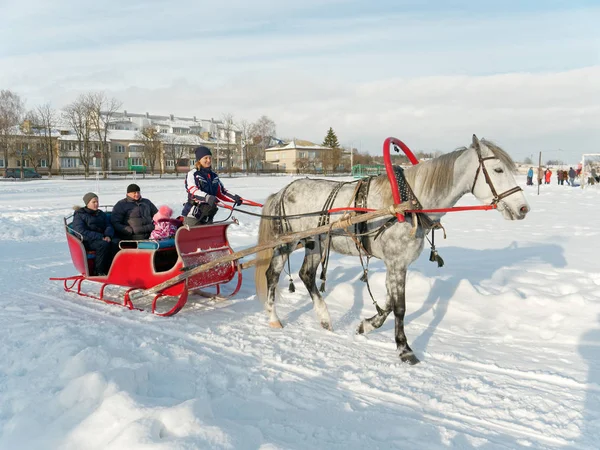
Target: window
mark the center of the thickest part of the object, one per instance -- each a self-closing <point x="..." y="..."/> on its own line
<point x="68" y="146"/>
<point x="312" y="155"/>
<point x="1" y="163"/>
<point x="135" y="161"/>
<point x="69" y="163"/>
<point x="170" y="163"/>
<point x="302" y="155"/>
<point x="119" y="148"/>
<point x="43" y="163"/>
<point x="120" y="163"/>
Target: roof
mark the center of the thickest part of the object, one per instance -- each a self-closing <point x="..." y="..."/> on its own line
<point x="298" y="144"/>
<point x="131" y="135"/>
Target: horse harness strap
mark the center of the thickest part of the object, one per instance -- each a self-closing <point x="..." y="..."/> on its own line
<point x="407" y="195"/>
<point x="324" y="220"/>
<point x="488" y="180"/>
<point x="360" y="201"/>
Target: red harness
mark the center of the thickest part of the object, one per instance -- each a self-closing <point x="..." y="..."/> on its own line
<point x="397" y="143"/>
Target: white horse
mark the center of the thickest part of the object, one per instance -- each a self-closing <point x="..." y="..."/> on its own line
<point x="483" y="169"/>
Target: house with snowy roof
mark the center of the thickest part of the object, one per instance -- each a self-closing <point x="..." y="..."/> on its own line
<point x="303" y="156"/>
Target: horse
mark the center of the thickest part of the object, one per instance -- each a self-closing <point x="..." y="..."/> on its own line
<point x="483" y="169"/>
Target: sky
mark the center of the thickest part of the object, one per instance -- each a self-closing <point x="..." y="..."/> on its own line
<point x="508" y="334"/>
<point x="525" y="74"/>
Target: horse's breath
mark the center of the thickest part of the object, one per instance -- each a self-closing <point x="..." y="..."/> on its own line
<point x="483" y="169"/>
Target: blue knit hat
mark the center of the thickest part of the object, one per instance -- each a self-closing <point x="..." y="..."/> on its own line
<point x="201" y="152"/>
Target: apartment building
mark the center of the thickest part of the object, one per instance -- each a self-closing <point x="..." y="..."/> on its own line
<point x="178" y="137"/>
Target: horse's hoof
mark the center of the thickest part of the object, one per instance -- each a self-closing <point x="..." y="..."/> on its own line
<point x="327" y="326"/>
<point x="364" y="327"/>
<point x="276" y="324"/>
<point x="410" y="358"/>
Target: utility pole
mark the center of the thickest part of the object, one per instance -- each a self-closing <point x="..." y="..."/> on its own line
<point x="539" y="170"/>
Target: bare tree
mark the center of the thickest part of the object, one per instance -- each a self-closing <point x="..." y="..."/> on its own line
<point x="228" y="129"/>
<point x="245" y="128"/>
<point x="304" y="164"/>
<point x="174" y="149"/>
<point x="150" y="137"/>
<point x="102" y="111"/>
<point x="43" y="123"/>
<point x="262" y="132"/>
<point x="361" y="158"/>
<point x="27" y="140"/>
<point x="78" y="116"/>
<point x="11" y="115"/>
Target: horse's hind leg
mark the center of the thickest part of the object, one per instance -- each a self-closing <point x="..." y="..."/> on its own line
<point x="280" y="256"/>
<point x="308" y="275"/>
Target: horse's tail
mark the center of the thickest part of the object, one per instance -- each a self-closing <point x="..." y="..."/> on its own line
<point x="263" y="258"/>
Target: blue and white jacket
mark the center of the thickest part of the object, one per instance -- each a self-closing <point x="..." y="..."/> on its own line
<point x="199" y="184"/>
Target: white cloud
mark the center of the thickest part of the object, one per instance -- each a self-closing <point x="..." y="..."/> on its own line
<point x="528" y="80"/>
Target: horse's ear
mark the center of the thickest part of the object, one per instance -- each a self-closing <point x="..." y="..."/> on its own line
<point x="476" y="143"/>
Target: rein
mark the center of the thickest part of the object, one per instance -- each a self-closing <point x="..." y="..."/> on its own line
<point x="488" y="180"/>
<point x="393" y="179"/>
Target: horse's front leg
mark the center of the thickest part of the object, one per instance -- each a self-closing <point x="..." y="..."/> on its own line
<point x="396" y="291"/>
<point x="374" y="322"/>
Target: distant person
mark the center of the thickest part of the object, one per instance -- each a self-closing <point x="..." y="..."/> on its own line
<point x="530" y="177"/>
<point x="572" y="175"/>
<point x="97" y="233"/>
<point x="132" y="216"/>
<point x="547" y="175"/>
<point x="540" y="175"/>
<point x="204" y="189"/>
<point x="164" y="226"/>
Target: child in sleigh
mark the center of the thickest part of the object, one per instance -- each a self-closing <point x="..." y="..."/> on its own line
<point x="165" y="227"/>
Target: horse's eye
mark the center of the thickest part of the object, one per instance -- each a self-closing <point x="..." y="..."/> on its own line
<point x="498" y="170"/>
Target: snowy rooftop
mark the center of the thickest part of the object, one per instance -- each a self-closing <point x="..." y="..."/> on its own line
<point x="298" y="144"/>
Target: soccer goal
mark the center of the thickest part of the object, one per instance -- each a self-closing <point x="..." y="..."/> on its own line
<point x="590" y="169"/>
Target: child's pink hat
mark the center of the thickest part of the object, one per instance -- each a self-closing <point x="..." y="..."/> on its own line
<point x="164" y="212"/>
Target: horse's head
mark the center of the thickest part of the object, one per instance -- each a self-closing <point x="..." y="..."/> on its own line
<point x="495" y="183"/>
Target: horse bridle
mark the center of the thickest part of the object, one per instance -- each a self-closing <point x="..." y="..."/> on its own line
<point x="488" y="180"/>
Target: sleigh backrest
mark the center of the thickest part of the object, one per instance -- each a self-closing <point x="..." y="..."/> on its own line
<point x="79" y="255"/>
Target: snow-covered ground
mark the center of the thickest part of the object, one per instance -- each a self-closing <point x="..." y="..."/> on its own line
<point x="508" y="332"/>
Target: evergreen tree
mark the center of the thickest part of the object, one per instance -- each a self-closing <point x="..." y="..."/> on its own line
<point x="331" y="139"/>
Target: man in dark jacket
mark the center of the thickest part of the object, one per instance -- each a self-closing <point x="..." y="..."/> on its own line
<point x="572" y="175"/>
<point x="95" y="228"/>
<point x="132" y="216"/>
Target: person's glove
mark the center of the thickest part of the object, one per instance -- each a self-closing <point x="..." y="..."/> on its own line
<point x="211" y="200"/>
<point x="237" y="200"/>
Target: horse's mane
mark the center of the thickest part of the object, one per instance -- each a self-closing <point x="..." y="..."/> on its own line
<point x="437" y="174"/>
